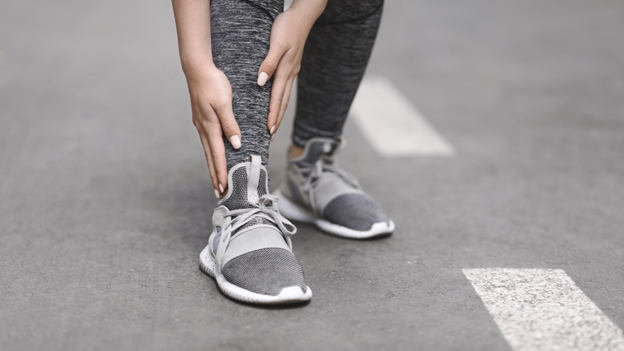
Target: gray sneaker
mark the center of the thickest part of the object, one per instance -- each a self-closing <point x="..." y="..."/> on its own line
<point x="318" y="191"/>
<point x="249" y="252"/>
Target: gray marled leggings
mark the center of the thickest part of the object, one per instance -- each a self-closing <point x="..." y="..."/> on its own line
<point x="334" y="60"/>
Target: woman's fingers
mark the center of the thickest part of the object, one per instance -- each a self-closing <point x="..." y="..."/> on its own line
<point x="214" y="135"/>
<point x="211" y="168"/>
<point x="211" y="134"/>
<point x="283" y="107"/>
<point x="211" y="102"/>
<point x="277" y="96"/>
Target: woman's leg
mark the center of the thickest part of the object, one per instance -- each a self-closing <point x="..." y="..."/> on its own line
<point x="332" y="67"/>
<point x="334" y="60"/>
<point x="249" y="251"/>
<point x="241" y="31"/>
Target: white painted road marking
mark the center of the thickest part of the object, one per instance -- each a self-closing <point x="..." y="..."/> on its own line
<point x="392" y="124"/>
<point x="542" y="309"/>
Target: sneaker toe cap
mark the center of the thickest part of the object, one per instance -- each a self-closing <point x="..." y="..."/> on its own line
<point x="354" y="211"/>
<point x="265" y="271"/>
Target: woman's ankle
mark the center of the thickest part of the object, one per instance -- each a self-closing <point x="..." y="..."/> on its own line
<point x="295" y="151"/>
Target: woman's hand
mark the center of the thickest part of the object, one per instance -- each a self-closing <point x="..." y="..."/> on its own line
<point x="211" y="104"/>
<point x="288" y="36"/>
<point x="210" y="90"/>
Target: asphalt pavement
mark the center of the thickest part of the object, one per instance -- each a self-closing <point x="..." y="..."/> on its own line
<point x="105" y="199"/>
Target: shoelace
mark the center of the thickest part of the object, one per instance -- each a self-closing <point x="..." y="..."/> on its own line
<point x="265" y="208"/>
<point x="322" y="171"/>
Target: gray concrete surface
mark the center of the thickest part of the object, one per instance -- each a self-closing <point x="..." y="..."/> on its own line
<point x="105" y="201"/>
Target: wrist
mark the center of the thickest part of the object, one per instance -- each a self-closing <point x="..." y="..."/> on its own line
<point x="309" y="11"/>
<point x="197" y="69"/>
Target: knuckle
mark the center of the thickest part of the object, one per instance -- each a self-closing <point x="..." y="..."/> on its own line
<point x="271" y="61"/>
<point x="270" y="67"/>
<point x="220" y="103"/>
<point x="229" y="129"/>
<point x="283" y="45"/>
<point x="208" y="124"/>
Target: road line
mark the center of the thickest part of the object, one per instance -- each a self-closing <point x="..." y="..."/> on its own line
<point x="542" y="309"/>
<point x="392" y="124"/>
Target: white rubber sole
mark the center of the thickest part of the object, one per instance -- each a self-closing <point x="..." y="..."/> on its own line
<point x="292" y="294"/>
<point x="298" y="213"/>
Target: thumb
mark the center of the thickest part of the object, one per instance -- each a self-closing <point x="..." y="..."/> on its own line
<point x="269" y="65"/>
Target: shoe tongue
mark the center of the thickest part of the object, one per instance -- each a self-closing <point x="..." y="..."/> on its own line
<point x="248" y="183"/>
<point x="315" y="148"/>
<point x="253" y="179"/>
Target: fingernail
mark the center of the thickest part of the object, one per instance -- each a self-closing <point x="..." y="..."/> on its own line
<point x="272" y="129"/>
<point x="221" y="188"/>
<point x="262" y="79"/>
<point x="235" y="141"/>
<point x="272" y="137"/>
<point x="216" y="193"/>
